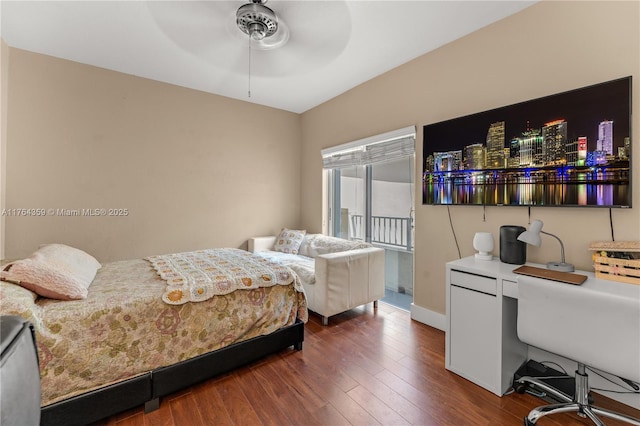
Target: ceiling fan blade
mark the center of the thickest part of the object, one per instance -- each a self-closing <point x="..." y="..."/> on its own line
<point x="195" y="26"/>
<point x="309" y="33"/>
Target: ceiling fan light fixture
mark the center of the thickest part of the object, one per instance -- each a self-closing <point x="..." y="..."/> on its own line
<point x="257" y="31"/>
<point x="257" y="20"/>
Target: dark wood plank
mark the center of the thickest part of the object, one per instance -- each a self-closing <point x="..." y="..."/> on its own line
<point x="267" y="412"/>
<point x="368" y="367"/>
<point x="236" y="403"/>
<point x="289" y="398"/>
<point x="162" y="416"/>
<point x="383" y="413"/>
<point x="211" y="404"/>
<point x="185" y="410"/>
<point x="332" y="385"/>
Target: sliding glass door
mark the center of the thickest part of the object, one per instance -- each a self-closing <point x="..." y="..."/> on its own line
<point x="349" y="203"/>
<point x="371" y="198"/>
<point x="391" y="220"/>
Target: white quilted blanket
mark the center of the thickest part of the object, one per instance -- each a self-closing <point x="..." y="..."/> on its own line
<point x="199" y="275"/>
<point x="303" y="266"/>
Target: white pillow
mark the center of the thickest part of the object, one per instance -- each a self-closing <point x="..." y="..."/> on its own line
<point x="56" y="271"/>
<point x="289" y="240"/>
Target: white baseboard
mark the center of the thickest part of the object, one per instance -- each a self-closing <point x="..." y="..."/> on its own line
<point x="428" y="317"/>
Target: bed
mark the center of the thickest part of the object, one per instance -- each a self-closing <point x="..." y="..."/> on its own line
<point x="132" y="340"/>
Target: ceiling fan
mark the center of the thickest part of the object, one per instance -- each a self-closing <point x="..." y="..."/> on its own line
<point x="262" y="25"/>
<point x="281" y="36"/>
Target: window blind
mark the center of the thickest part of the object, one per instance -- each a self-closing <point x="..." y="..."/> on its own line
<point x="385" y="147"/>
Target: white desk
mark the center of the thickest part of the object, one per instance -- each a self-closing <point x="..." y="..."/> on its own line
<point x="481" y="325"/>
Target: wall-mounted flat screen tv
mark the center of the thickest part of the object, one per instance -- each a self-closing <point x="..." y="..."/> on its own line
<point x="568" y="149"/>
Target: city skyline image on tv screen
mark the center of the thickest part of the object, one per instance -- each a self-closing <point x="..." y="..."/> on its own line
<point x="568" y="149"/>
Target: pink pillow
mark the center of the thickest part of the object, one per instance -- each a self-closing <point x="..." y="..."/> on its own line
<point x="55" y="271"/>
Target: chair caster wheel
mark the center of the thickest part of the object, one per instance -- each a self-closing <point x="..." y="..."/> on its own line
<point x="528" y="422"/>
<point x="520" y="388"/>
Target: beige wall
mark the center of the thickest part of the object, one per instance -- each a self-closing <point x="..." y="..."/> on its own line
<point x="4" y="84"/>
<point x="548" y="48"/>
<point x="194" y="170"/>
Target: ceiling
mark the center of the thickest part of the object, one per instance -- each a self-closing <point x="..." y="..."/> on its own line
<point x="333" y="45"/>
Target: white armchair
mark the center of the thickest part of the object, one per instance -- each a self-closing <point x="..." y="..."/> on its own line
<point x="345" y="274"/>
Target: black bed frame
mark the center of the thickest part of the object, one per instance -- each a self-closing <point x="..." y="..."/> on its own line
<point x="149" y="387"/>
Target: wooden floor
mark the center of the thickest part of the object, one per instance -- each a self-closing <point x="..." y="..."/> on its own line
<point x="368" y="367"/>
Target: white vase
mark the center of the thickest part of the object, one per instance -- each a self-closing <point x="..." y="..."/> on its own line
<point x="483" y="242"/>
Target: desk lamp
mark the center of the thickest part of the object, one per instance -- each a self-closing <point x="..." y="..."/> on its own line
<point x="532" y="236"/>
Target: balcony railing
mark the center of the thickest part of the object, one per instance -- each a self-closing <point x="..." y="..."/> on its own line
<point x="391" y="231"/>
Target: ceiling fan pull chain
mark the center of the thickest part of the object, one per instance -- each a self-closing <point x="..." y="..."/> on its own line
<point x="249" y="90"/>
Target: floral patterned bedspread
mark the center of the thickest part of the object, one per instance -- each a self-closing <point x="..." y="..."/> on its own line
<point x="124" y="329"/>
